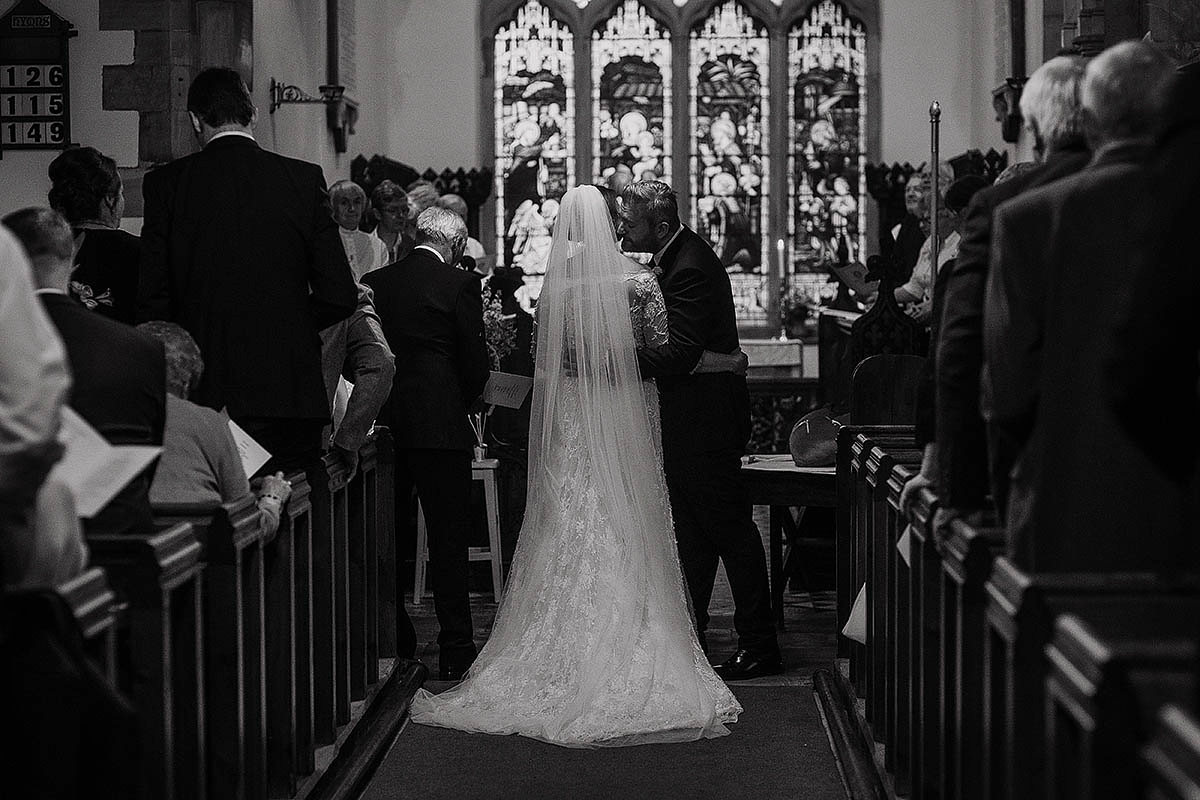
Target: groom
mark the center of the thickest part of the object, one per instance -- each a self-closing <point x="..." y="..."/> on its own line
<point x="705" y="426"/>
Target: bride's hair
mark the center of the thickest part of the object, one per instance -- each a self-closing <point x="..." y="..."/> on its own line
<point x="610" y="200"/>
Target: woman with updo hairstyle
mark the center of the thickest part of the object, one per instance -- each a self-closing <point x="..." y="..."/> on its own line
<point x="86" y="189"/>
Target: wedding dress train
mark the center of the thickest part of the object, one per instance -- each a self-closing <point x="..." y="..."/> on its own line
<point x="593" y="643"/>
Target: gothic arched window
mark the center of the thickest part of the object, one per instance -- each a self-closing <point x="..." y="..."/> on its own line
<point x="761" y="114"/>
<point x="535" y="132"/>
<point x="631" y="95"/>
<point x="730" y="147"/>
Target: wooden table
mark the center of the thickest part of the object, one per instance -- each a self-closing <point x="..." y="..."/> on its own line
<point x="775" y="481"/>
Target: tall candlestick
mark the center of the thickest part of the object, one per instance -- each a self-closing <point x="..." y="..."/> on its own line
<point x="783" y="288"/>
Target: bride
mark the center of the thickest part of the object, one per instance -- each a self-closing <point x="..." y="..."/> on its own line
<point x="593" y="643"/>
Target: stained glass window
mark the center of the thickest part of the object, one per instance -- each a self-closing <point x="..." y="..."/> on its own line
<point x="631" y="95"/>
<point x="826" y="141"/>
<point x="535" y="134"/>
<point x="729" y="165"/>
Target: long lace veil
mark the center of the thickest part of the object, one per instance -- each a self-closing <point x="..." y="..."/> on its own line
<point x="586" y="377"/>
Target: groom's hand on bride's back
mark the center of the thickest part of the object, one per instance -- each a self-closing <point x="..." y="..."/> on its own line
<point x="736" y="362"/>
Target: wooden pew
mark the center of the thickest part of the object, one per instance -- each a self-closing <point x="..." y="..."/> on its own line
<point x="71" y="732"/>
<point x="894" y="610"/>
<point x="385" y="468"/>
<point x="159" y="576"/>
<point x="1172" y="758"/>
<point x="331" y="600"/>
<point x="967" y="557"/>
<point x="96" y="610"/>
<point x="924" y="640"/>
<point x="1020" y="615"/>
<point x="289" y="644"/>
<point x="364" y="517"/>
<point x="1109" y="675"/>
<point x="231" y="543"/>
<point x="880" y="536"/>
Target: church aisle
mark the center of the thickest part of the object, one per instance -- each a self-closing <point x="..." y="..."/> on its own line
<point x="778" y="749"/>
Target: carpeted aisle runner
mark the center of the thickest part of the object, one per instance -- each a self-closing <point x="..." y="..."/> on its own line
<point x="778" y="750"/>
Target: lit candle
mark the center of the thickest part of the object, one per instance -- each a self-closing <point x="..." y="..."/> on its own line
<point x="782" y="266"/>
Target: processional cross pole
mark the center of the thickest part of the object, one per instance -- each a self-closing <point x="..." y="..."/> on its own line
<point x="935" y="119"/>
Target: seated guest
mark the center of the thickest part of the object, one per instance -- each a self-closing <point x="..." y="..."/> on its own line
<point x="907" y="234"/>
<point x="347" y="202"/>
<point x="918" y="290"/>
<point x="86" y="189"/>
<point x="1082" y="495"/>
<point x="393" y="216"/>
<point x="119" y="374"/>
<point x="200" y="462"/>
<point x="355" y="349"/>
<point x="38" y="546"/>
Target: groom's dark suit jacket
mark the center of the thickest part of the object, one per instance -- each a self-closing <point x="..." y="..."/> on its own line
<point x="239" y="248"/>
<point x="708" y="412"/>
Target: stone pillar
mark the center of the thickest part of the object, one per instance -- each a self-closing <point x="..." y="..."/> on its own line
<point x="173" y="40"/>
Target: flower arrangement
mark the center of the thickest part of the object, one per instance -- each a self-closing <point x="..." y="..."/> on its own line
<point x="500" y="335"/>
<point x="499" y="329"/>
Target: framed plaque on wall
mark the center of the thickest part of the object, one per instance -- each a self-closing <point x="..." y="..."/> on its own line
<point x="35" y="85"/>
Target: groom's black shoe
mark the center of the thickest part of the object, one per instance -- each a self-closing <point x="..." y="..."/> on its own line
<point x="745" y="664"/>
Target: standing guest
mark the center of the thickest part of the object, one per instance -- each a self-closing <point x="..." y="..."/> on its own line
<point x="393" y="216"/>
<point x="1050" y="107"/>
<point x="200" y="461"/>
<point x="119" y="373"/>
<point x="1061" y="259"/>
<point x="355" y="349"/>
<point x="34" y="382"/>
<point x="705" y="426"/>
<point x="958" y="195"/>
<point x="347" y="202"/>
<point x="238" y="247"/>
<point x="474" y="249"/>
<point x="433" y="318"/>
<point x="86" y="189"/>
<point x="1154" y="371"/>
<point x="422" y="195"/>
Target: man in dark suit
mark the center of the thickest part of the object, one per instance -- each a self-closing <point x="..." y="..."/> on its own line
<point x="1050" y="106"/>
<point x="705" y="426"/>
<point x="432" y="316"/>
<point x="1154" y="371"/>
<point x="1082" y="496"/>
<point x="120" y="374"/>
<point x="239" y="248"/>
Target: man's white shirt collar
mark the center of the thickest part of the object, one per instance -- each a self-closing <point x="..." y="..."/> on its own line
<point x="658" y="256"/>
<point x="432" y="250"/>
<point x="216" y="136"/>
<point x="50" y="290"/>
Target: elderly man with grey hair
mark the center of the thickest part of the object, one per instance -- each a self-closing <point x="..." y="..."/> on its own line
<point x="432" y="317"/>
<point x="958" y="462"/>
<point x="1082" y="496"/>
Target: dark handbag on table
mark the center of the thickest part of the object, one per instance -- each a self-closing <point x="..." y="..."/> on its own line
<point x="813" y="441"/>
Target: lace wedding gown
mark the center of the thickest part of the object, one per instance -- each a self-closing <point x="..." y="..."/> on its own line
<point x="593" y="643"/>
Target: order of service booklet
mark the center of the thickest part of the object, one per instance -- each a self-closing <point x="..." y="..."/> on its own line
<point x="93" y="469"/>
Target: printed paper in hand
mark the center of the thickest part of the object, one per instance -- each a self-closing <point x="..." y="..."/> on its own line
<point x="854" y="275"/>
<point x="252" y="453"/>
<point x="904" y="545"/>
<point x="856" y="626"/>
<point x="507" y="390"/>
<point x="93" y="469"/>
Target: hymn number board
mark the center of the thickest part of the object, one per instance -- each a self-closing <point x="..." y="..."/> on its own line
<point x="35" y="92"/>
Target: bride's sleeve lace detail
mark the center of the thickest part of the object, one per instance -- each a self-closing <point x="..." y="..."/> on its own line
<point x="648" y="310"/>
